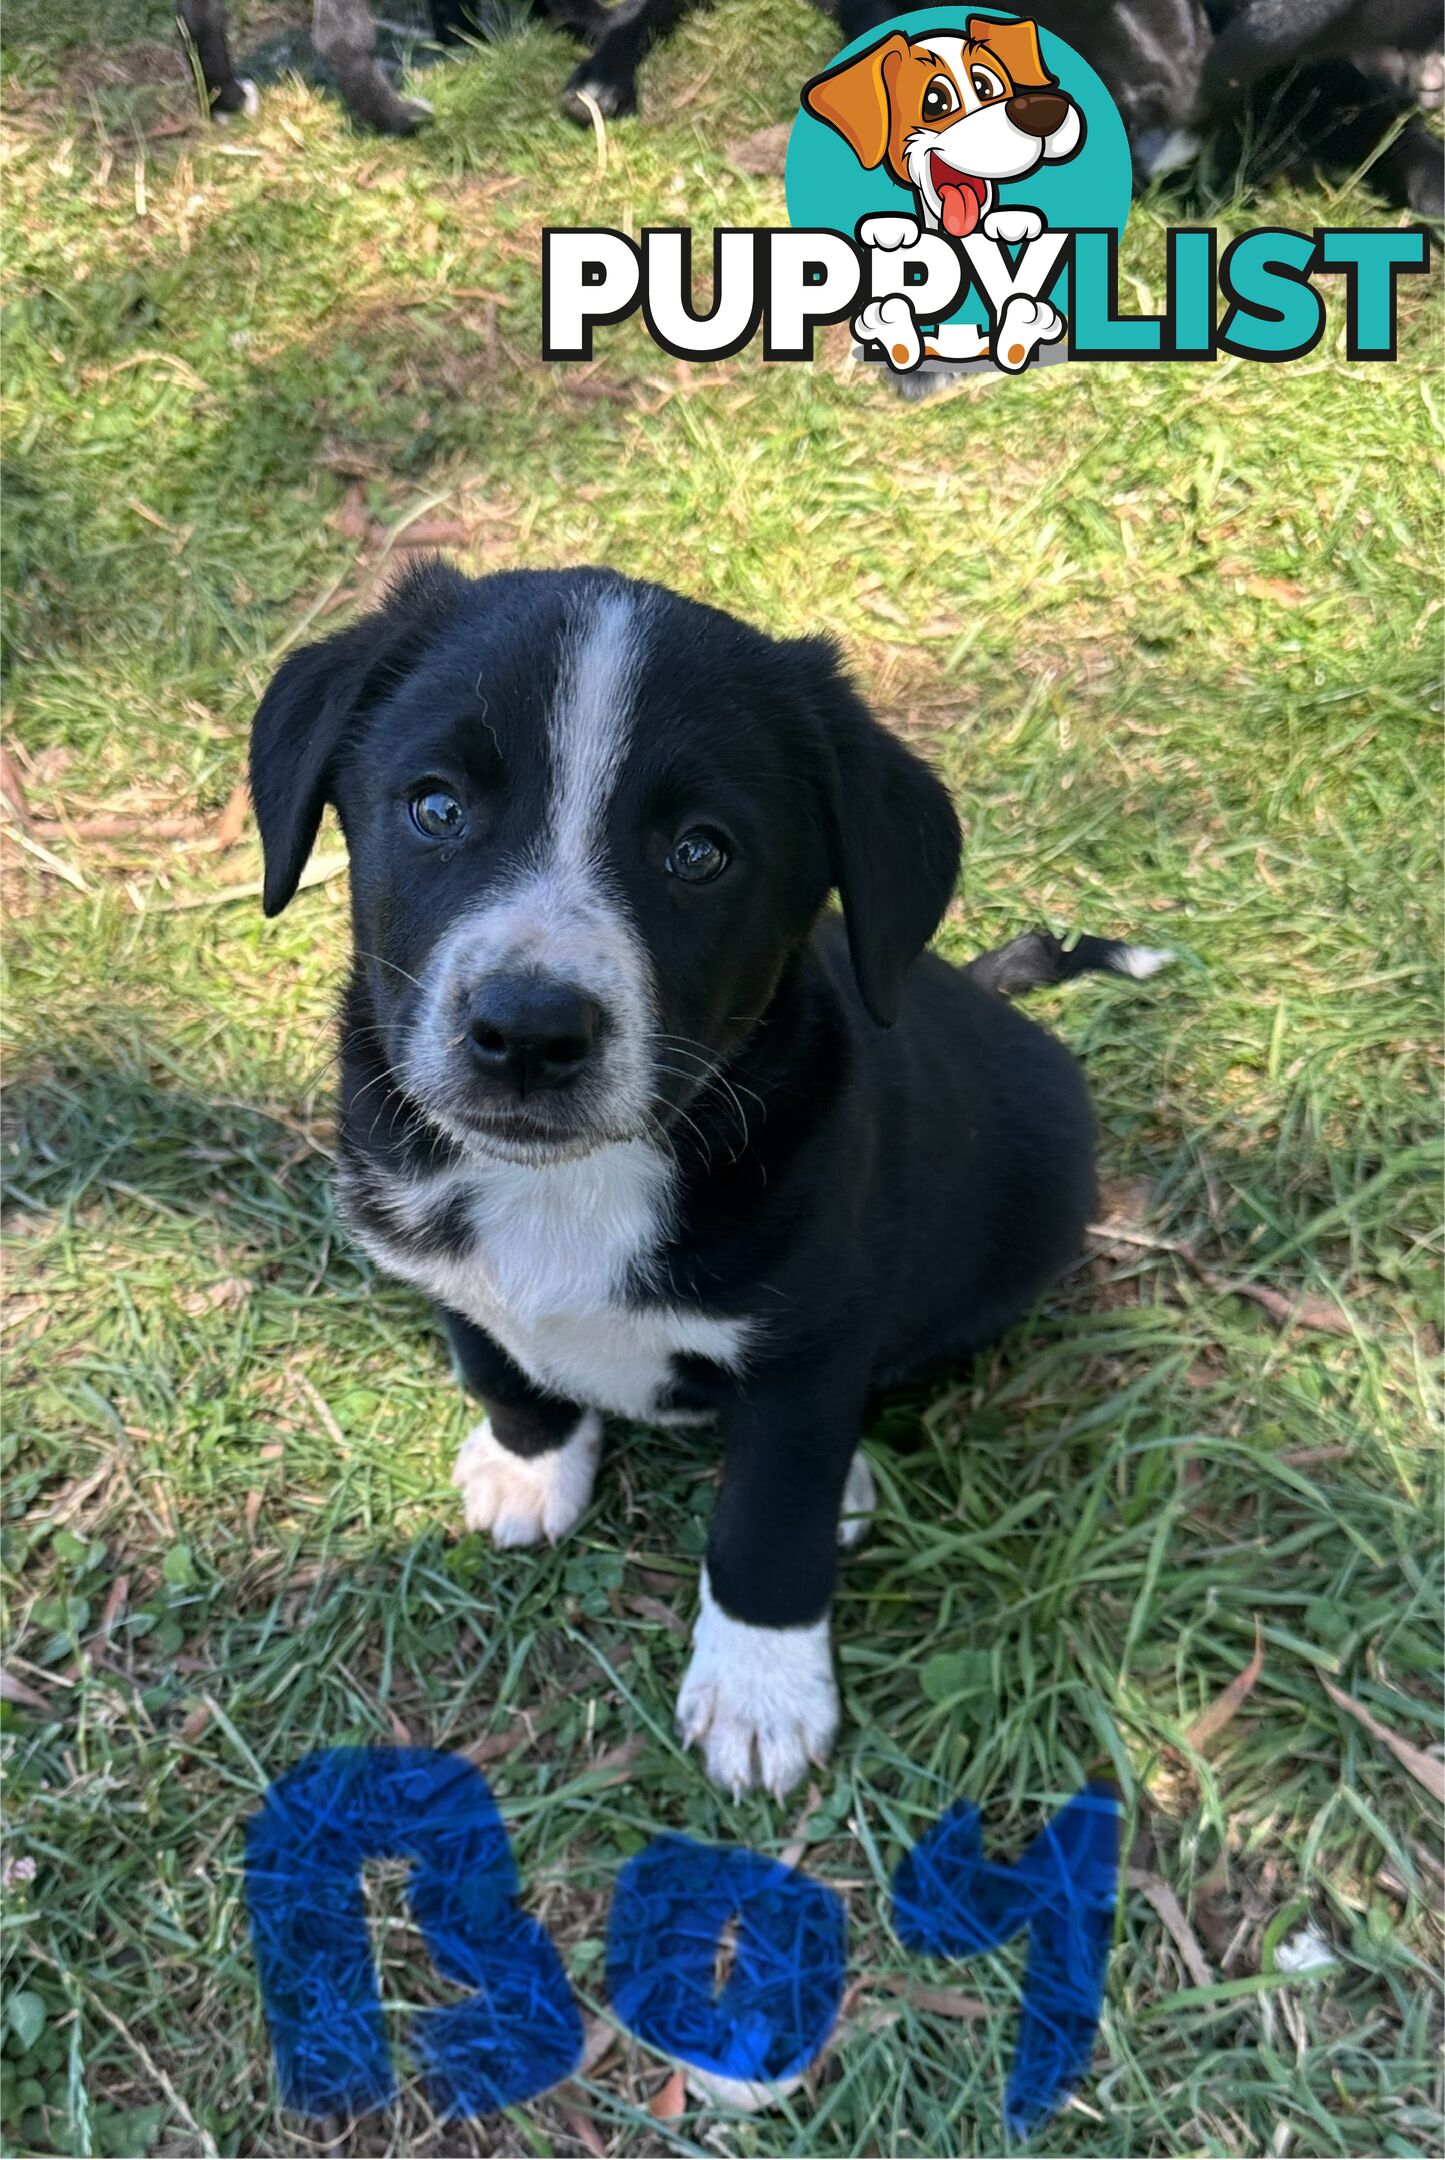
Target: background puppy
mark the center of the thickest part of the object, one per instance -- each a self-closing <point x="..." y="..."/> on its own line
<point x="344" y="33"/>
<point x="660" y="1142"/>
<point x="1172" y="85"/>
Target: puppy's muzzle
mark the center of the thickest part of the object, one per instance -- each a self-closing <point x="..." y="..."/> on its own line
<point x="527" y="1034"/>
<point x="1037" y="112"/>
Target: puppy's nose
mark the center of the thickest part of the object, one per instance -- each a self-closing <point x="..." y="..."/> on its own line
<point x="1037" y="112"/>
<point x="529" y="1032"/>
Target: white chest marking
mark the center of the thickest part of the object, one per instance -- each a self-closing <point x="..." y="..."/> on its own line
<point x="552" y="1272"/>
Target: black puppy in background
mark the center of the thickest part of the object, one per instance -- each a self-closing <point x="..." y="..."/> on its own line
<point x="1177" y="70"/>
<point x="661" y="1138"/>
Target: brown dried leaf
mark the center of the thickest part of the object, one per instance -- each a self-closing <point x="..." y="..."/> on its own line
<point x="1281" y="590"/>
<point x="253" y="1509"/>
<point x="1214" y="1719"/>
<point x="493" y="1746"/>
<point x="195" y="1723"/>
<point x="583" y="2128"/>
<point x="232" y="821"/>
<point x="1171" y="1912"/>
<point x="941" y="2002"/>
<point x="670" y="2099"/>
<point x="434" y="532"/>
<point x="1427" y="1770"/>
<point x="227" y="1294"/>
<point x="20" y="1691"/>
<point x="614" y="1765"/>
<point x="764" y="153"/>
<point x="653" y="1609"/>
<point x="797" y="1844"/>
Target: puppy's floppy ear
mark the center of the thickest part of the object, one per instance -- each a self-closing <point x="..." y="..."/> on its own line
<point x="891" y="830"/>
<point x="854" y="99"/>
<point x="1017" y="45"/>
<point x="312" y="700"/>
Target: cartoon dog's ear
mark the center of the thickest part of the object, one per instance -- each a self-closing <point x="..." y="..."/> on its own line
<point x="891" y="830"/>
<point x="314" y="697"/>
<point x="854" y="99"/>
<point x="1017" y="45"/>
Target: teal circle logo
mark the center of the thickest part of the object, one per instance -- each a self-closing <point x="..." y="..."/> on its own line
<point x="946" y="120"/>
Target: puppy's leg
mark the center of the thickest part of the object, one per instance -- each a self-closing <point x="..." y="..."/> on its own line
<point x="759" y="1696"/>
<point x="527" y="1471"/>
<point x="345" y="37"/>
<point x="609" y="76"/>
<point x="204" y="24"/>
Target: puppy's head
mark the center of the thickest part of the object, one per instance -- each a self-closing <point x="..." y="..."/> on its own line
<point x="589" y="823"/>
<point x="951" y="114"/>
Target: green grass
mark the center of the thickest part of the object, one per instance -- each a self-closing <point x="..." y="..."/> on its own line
<point x="1171" y="635"/>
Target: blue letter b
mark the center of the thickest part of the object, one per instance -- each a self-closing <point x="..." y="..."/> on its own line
<point x="515" y="2036"/>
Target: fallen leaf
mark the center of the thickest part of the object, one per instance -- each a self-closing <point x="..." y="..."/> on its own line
<point x="493" y="1746"/>
<point x="764" y="153"/>
<point x="617" y="1761"/>
<point x="797" y="1844"/>
<point x="583" y="2128"/>
<point x="353" y="519"/>
<point x="1226" y="1702"/>
<point x="939" y="2002"/>
<point x="434" y="532"/>
<point x="653" y="1609"/>
<point x="226" y="1294"/>
<point x="21" y="1692"/>
<point x="114" y="1605"/>
<point x="1281" y="590"/>
<point x="670" y="2099"/>
<point x="599" y="2038"/>
<point x="1303" y="1310"/>
<point x="253" y="1509"/>
<point x="1427" y="1770"/>
<point x="1171" y="1912"/>
<point x="232" y="821"/>
<point x="195" y="1723"/>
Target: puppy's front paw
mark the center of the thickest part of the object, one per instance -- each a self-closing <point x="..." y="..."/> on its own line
<point x="888" y="232"/>
<point x="760" y="1702"/>
<point x="891" y="324"/>
<point x="522" y="1499"/>
<point x="1013" y="225"/>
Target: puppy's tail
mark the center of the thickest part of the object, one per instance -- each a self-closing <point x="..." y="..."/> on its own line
<point x="1037" y="959"/>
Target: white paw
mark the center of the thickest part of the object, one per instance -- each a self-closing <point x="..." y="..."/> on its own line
<point x="1166" y="153"/>
<point x="1024" y="325"/>
<point x="888" y="232"/>
<point x="1013" y="225"/>
<point x="860" y="1498"/>
<point x="252" y="97"/>
<point x="522" y="1499"/>
<point x="1142" y="961"/>
<point x="890" y="323"/>
<point x="761" y="1702"/>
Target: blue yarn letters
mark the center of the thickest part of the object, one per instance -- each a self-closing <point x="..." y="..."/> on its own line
<point x="517" y="2031"/>
<point x="949" y="1900"/>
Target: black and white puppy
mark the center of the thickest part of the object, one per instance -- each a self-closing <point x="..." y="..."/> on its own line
<point x="660" y="1137"/>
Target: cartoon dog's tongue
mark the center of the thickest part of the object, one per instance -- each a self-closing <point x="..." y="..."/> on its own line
<point x="960" y="209"/>
<point x="960" y="197"/>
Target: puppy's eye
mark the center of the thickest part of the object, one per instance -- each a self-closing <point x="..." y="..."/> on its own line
<point x="698" y="857"/>
<point x="985" y="83"/>
<point x="437" y="815"/>
<point x="939" y="98"/>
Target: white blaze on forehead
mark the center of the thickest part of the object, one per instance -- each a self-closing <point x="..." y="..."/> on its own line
<point x="590" y="724"/>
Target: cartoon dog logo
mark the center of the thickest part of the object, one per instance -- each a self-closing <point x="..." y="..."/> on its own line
<point x="951" y="115"/>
